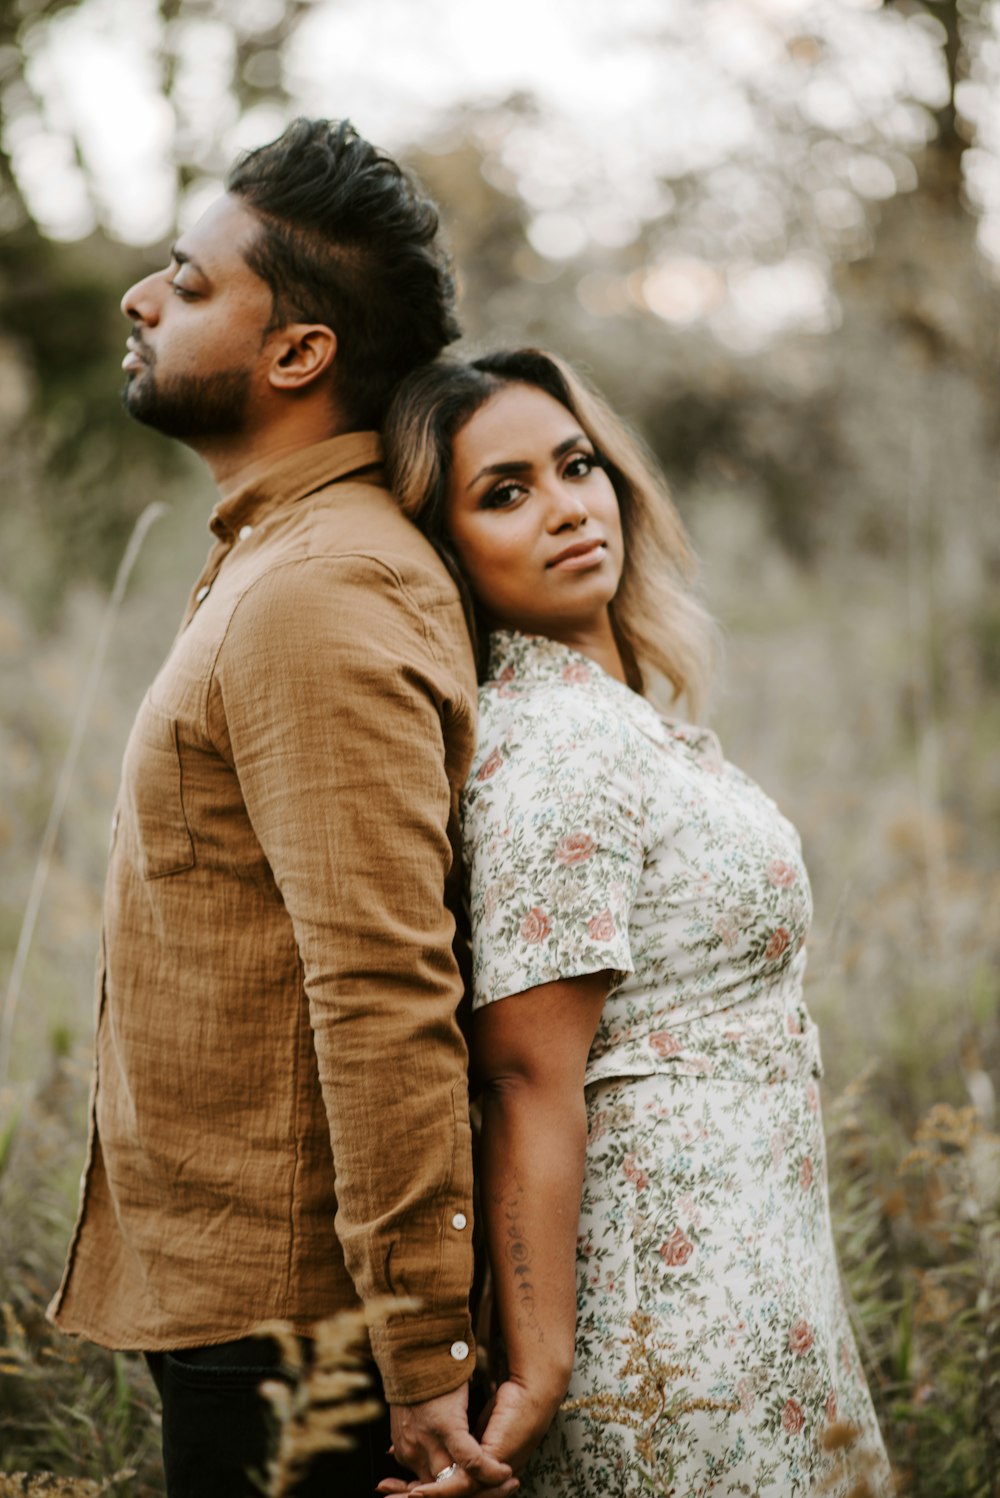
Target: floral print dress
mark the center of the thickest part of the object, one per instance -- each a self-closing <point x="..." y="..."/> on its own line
<point x="713" y="1350"/>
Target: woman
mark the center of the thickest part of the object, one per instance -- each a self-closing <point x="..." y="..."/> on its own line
<point x="653" y="1164"/>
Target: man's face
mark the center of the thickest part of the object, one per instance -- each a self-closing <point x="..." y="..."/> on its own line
<point x="196" y="352"/>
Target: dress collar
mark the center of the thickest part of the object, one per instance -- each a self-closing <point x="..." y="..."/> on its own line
<point x="295" y="477"/>
<point x="520" y="663"/>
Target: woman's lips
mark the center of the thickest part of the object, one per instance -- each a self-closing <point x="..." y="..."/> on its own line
<point x="576" y="558"/>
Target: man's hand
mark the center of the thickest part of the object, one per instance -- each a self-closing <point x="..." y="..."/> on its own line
<point x="433" y="1436"/>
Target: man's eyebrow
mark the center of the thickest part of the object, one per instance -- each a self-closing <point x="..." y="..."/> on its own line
<point x="521" y="465"/>
<point x="183" y="258"/>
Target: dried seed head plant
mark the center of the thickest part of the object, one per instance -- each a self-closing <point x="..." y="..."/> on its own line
<point x="853" y="1472"/>
<point x="659" y="1398"/>
<point x="322" y="1395"/>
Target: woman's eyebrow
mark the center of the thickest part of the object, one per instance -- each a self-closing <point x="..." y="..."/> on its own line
<point x="523" y="465"/>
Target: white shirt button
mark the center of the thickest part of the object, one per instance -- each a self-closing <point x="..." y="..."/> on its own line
<point x="203" y="593"/>
<point x="460" y="1351"/>
<point x="245" y="531"/>
<point x="459" y="1221"/>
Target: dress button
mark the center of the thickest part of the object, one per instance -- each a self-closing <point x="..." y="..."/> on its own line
<point x="460" y="1351"/>
<point x="459" y="1221"/>
<point x="245" y="531"/>
<point x="203" y="593"/>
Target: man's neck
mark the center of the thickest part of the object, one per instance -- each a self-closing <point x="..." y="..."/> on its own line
<point x="237" y="461"/>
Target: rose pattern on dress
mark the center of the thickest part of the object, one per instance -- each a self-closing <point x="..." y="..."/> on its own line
<point x="575" y="847"/>
<point x="792" y="1419"/>
<point x="536" y="925"/>
<point x="490" y="765"/>
<point x="600" y="836"/>
<point x="777" y="944"/>
<point x="800" y="1338"/>
<point x="601" y="927"/>
<point x="677" y="1249"/>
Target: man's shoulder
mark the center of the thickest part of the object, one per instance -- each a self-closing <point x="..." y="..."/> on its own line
<point x="345" y="562"/>
<point x="352" y="519"/>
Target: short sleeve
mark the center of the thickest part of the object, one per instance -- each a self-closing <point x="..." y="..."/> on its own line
<point x="554" y="849"/>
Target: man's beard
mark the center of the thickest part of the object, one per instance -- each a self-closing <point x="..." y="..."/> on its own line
<point x="189" y="407"/>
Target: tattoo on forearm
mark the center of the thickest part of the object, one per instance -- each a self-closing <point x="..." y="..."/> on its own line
<point x="518" y="1256"/>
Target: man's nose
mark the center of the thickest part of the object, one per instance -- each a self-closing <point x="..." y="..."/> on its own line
<point x="140" y="302"/>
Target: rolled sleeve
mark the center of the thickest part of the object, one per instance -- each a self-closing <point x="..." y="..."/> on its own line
<point x="340" y="698"/>
<point x="553" y="831"/>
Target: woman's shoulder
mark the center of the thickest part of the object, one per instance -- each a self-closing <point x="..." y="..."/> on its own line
<point x="547" y="732"/>
<point x="548" y="710"/>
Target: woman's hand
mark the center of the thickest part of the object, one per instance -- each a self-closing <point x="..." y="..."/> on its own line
<point x="516" y="1419"/>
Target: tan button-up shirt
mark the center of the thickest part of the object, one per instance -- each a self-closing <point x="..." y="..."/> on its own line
<point x="277" y="990"/>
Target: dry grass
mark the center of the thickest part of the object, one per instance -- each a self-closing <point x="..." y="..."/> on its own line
<point x="899" y="805"/>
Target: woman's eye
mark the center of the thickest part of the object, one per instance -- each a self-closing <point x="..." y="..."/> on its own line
<point x="579" y="465"/>
<point x="181" y="291"/>
<point x="502" y="495"/>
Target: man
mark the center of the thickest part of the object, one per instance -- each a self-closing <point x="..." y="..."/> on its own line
<point x="277" y="988"/>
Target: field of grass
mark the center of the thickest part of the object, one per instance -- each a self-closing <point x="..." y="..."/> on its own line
<point x="873" y="718"/>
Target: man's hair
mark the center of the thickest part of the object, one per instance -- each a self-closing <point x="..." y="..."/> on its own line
<point x="348" y="239"/>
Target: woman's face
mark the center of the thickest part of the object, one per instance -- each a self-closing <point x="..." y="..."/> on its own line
<point x="534" y="521"/>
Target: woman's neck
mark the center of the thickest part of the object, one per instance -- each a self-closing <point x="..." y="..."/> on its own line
<point x="597" y="641"/>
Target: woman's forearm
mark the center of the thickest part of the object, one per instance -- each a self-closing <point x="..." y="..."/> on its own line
<point x="533" y="1144"/>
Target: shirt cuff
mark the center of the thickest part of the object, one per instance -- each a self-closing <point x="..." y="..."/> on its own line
<point x="420" y="1358"/>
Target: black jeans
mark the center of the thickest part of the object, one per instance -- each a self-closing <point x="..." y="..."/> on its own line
<point x="217" y="1429"/>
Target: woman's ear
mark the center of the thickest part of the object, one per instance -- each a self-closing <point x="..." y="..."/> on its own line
<point x="301" y="354"/>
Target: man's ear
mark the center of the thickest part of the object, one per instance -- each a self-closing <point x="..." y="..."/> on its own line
<point x="300" y="354"/>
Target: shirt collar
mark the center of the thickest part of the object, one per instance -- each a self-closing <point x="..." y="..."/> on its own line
<point x="521" y="662"/>
<point x="295" y="477"/>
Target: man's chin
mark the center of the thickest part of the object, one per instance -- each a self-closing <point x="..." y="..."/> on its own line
<point x="136" y="401"/>
<point x="143" y="406"/>
<point x="192" y="410"/>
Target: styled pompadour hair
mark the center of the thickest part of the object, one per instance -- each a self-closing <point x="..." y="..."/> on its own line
<point x="348" y="239"/>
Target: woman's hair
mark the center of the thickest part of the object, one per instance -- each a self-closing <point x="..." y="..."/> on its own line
<point x="659" y="623"/>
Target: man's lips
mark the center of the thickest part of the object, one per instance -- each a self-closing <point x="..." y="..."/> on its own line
<point x="581" y="554"/>
<point x="135" y="358"/>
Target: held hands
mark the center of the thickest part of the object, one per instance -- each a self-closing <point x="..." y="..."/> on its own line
<point x="515" y="1421"/>
<point x="433" y="1436"/>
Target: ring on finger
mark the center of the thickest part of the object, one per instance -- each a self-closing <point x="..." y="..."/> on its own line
<point x="446" y="1472"/>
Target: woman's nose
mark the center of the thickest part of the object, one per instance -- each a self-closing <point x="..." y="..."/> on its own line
<point x="140" y="302"/>
<point x="567" y="509"/>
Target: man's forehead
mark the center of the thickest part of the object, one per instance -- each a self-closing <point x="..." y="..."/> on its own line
<point x="215" y="242"/>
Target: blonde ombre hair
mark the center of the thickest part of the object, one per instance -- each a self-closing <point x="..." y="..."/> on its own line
<point x="659" y="623"/>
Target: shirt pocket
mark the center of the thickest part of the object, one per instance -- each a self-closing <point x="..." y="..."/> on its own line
<point x="152" y="776"/>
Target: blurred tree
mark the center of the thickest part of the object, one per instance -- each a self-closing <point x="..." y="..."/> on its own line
<point x="667" y="253"/>
<point x="77" y="471"/>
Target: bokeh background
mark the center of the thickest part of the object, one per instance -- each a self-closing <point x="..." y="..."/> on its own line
<point x="770" y="230"/>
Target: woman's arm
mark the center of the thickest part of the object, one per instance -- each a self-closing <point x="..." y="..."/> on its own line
<point x="531" y="1050"/>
